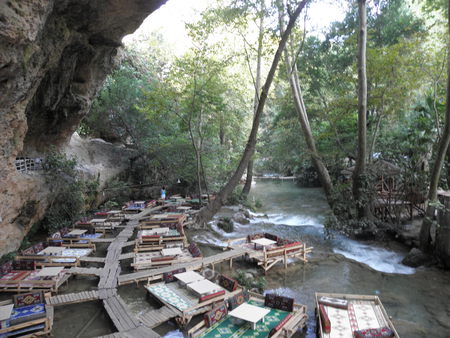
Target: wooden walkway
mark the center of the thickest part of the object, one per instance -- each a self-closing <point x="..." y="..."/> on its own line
<point x="156" y="317"/>
<point x="127" y="325"/>
<point x="205" y="262"/>
<point x="73" y="298"/>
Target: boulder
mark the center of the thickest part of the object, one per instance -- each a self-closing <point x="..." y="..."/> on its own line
<point x="416" y="258"/>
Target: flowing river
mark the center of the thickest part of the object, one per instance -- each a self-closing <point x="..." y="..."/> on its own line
<point x="418" y="300"/>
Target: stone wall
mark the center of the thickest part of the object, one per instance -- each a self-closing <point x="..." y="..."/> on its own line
<point x="54" y="56"/>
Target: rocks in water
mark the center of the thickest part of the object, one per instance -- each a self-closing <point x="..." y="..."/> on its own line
<point x="241" y="218"/>
<point x="416" y="258"/>
<point x="226" y="224"/>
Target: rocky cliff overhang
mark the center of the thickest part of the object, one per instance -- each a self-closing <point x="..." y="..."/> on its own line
<point x="54" y="56"/>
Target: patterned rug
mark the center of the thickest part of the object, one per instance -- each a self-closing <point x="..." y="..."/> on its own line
<point x="27" y="313"/>
<point x="72" y="253"/>
<point x="226" y="329"/>
<point x="357" y="317"/>
<point x="169" y="296"/>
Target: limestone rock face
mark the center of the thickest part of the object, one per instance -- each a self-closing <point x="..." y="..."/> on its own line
<point x="54" y="56"/>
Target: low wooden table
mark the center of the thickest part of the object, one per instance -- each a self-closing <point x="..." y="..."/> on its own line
<point x="50" y="271"/>
<point x="263" y="242"/>
<point x="52" y="251"/>
<point x="249" y="313"/>
<point x="76" y="232"/>
<point x="189" y="277"/>
<point x="204" y="287"/>
<point x="171" y="252"/>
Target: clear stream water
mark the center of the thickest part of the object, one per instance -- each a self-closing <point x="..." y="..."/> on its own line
<point x="418" y="300"/>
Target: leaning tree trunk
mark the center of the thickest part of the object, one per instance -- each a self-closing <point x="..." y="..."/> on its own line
<point x="207" y="212"/>
<point x="425" y="230"/>
<point x="360" y="168"/>
<point x="249" y="178"/>
<point x="292" y="73"/>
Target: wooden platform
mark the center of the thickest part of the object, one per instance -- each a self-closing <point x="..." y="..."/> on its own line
<point x="205" y="262"/>
<point x="156" y="317"/>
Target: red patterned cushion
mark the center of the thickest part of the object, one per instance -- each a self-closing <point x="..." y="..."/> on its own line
<point x="101" y="213"/>
<point x="6" y="268"/>
<point x="194" y="250"/>
<point x="228" y="283"/>
<point x="373" y="333"/>
<point x="212" y="295"/>
<point x="168" y="277"/>
<point x="238" y="299"/>
<point x="280" y="325"/>
<point x="20" y="275"/>
<point x="326" y="324"/>
<point x="216" y="315"/>
<point x="279" y="302"/>
<point x="28" y="251"/>
<point x="163" y="259"/>
<point x="29" y="299"/>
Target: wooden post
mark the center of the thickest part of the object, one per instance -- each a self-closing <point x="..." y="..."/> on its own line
<point x="285" y="258"/>
<point x="304" y="252"/>
<point x="231" y="263"/>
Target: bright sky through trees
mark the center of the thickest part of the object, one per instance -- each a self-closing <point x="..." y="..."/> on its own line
<point x="169" y="20"/>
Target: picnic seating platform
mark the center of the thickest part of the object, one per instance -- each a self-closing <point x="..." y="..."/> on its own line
<point x="205" y="262"/>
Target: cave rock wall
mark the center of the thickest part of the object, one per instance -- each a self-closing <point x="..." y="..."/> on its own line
<point x="54" y="56"/>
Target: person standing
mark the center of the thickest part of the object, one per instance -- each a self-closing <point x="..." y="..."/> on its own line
<point x="163" y="192"/>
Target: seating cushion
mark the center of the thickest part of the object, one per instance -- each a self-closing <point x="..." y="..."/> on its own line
<point x="216" y="315"/>
<point x="254" y="236"/>
<point x="24" y="265"/>
<point x="27" y="313"/>
<point x="373" y="333"/>
<point x="326" y="324"/>
<point x="270" y="236"/>
<point x="279" y="302"/>
<point x="280" y="325"/>
<point x="194" y="250"/>
<point x="228" y="283"/>
<point x="238" y="299"/>
<point x="27" y="299"/>
<point x="28" y="251"/>
<point x="334" y="302"/>
<point x="168" y="277"/>
<point x="211" y="295"/>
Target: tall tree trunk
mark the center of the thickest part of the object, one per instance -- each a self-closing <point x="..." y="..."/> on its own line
<point x="425" y="230"/>
<point x="360" y="168"/>
<point x="249" y="178"/>
<point x="292" y="73"/>
<point x="207" y="212"/>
